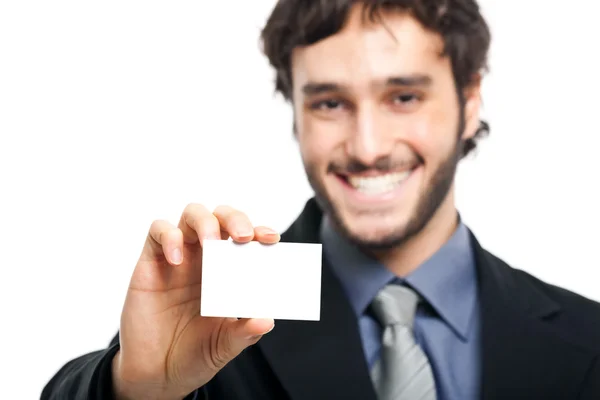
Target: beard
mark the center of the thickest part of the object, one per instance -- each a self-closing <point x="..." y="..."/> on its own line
<point x="429" y="200"/>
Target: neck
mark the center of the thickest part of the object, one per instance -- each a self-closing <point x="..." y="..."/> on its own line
<point x="406" y="258"/>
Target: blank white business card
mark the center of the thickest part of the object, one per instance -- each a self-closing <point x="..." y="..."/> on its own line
<point x="254" y="280"/>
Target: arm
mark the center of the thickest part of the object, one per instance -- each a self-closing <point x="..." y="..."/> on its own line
<point x="89" y="377"/>
<point x="86" y="377"/>
<point x="165" y="349"/>
<point x="591" y="384"/>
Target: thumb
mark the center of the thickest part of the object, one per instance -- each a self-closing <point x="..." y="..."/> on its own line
<point x="241" y="334"/>
<point x="249" y="330"/>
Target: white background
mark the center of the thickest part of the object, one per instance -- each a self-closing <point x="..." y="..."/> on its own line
<point x="116" y="113"/>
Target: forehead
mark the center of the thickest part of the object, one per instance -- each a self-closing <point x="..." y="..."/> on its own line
<point x="364" y="51"/>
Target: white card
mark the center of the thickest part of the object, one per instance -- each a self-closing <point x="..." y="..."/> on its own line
<point x="254" y="280"/>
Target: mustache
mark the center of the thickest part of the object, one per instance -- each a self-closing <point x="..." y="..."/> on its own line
<point x="382" y="165"/>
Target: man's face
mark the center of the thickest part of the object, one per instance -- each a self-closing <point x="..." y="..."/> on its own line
<point x="380" y="126"/>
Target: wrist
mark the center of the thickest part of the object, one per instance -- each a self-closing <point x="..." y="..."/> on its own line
<point x="124" y="389"/>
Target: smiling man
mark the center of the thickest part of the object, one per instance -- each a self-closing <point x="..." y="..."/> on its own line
<point x="381" y="129"/>
<point x="386" y="100"/>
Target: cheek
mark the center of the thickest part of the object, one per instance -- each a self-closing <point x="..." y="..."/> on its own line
<point x="313" y="150"/>
<point x="435" y="135"/>
<point x="318" y="140"/>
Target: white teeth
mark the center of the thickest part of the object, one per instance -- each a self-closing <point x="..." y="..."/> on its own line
<point x="378" y="184"/>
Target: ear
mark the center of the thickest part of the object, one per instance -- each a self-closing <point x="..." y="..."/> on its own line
<point x="294" y="128"/>
<point x="472" y="96"/>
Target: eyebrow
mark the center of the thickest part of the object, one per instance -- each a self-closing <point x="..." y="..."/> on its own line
<point x="316" y="88"/>
<point x="313" y="89"/>
<point x="413" y="80"/>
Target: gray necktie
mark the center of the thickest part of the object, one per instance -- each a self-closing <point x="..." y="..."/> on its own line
<point x="403" y="371"/>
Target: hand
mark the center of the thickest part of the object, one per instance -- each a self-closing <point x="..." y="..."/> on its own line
<point x="167" y="349"/>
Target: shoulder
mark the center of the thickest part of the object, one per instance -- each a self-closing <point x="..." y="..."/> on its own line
<point x="577" y="317"/>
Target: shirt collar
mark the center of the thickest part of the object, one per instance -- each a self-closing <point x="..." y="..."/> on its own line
<point x="447" y="280"/>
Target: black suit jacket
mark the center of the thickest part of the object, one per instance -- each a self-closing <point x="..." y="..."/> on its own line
<point x="538" y="342"/>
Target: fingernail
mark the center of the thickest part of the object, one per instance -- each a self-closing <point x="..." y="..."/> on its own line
<point x="256" y="337"/>
<point x="243" y="233"/>
<point x="211" y="236"/>
<point x="270" y="329"/>
<point x="271" y="232"/>
<point x="273" y="326"/>
<point x="176" y="256"/>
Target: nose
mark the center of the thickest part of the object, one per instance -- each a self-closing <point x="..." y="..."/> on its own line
<point x="369" y="141"/>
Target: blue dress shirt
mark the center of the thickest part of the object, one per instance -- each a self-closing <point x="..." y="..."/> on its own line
<point x="446" y="326"/>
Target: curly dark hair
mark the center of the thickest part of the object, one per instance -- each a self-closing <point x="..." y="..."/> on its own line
<point x="463" y="29"/>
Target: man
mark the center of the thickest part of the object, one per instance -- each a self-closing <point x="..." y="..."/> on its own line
<point x="386" y="98"/>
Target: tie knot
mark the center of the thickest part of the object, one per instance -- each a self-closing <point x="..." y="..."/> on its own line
<point x="395" y="304"/>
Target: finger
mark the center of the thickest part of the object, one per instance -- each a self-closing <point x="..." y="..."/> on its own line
<point x="266" y="235"/>
<point x="247" y="331"/>
<point x="235" y="223"/>
<point x="164" y="239"/>
<point x="237" y="336"/>
<point x="224" y="235"/>
<point x="197" y="224"/>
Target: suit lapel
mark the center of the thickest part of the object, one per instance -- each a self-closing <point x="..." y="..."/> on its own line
<point x="325" y="359"/>
<point x="521" y="355"/>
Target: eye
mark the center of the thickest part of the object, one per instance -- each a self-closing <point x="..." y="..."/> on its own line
<point x="405" y="98"/>
<point x="326" y="105"/>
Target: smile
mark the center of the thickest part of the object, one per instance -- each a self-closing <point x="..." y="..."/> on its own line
<point x="380" y="184"/>
<point x="376" y="188"/>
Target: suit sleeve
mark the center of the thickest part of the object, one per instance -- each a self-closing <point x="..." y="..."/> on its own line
<point x="86" y="377"/>
<point x="89" y="377"/>
<point x="591" y="388"/>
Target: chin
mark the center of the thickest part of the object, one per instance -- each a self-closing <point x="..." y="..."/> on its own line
<point x="381" y="210"/>
<point x="376" y="230"/>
